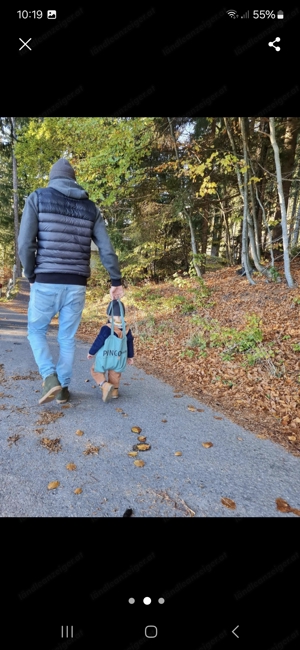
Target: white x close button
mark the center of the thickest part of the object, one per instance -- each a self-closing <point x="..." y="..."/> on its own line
<point x="24" y="44"/>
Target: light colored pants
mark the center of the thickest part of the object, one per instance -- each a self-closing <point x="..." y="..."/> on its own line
<point x="113" y="377"/>
<point x="46" y="300"/>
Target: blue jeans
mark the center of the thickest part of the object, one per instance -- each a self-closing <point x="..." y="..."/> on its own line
<point x="46" y="300"/>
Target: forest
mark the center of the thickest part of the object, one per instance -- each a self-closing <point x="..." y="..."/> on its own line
<point x="190" y="204"/>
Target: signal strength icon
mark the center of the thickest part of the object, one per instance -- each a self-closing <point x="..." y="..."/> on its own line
<point x="246" y="15"/>
<point x="232" y="13"/>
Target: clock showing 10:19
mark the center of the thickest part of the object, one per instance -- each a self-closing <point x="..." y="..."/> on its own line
<point x="30" y="14"/>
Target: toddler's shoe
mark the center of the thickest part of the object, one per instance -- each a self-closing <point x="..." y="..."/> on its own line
<point x="115" y="393"/>
<point x="107" y="390"/>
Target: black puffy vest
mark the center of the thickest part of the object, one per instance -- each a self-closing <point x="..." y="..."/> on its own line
<point x="64" y="236"/>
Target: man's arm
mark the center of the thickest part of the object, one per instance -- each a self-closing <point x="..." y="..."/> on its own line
<point x="27" y="243"/>
<point x="108" y="257"/>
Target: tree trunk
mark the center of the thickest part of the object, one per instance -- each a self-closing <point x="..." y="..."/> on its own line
<point x="259" y="164"/>
<point x="193" y="244"/>
<point x="294" y="208"/>
<point x="245" y="254"/>
<point x="193" y="238"/>
<point x="15" y="196"/>
<point x="282" y="202"/>
<point x="288" y="158"/>
<point x="216" y="235"/>
<point x="204" y="237"/>
<point x="296" y="229"/>
<point x="244" y="192"/>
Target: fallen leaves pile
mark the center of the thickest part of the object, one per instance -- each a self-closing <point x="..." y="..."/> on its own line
<point x="263" y="398"/>
<point x="47" y="417"/>
<point x="52" y="445"/>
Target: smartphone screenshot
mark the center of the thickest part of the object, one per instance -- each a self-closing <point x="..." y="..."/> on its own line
<point x="173" y="241"/>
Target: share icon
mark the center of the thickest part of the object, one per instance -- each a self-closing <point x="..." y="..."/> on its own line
<point x="271" y="43"/>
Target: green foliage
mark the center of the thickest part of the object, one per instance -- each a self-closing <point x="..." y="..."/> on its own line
<point x="181" y="280"/>
<point x="258" y="354"/>
<point x="189" y="354"/>
<point x="296" y="347"/>
<point x="231" y="340"/>
<point x="274" y="273"/>
<point x="197" y="341"/>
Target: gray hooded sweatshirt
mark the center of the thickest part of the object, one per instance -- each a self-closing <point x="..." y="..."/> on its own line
<point x="55" y="236"/>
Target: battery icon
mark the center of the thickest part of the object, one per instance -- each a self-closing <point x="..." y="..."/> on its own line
<point x="280" y="14"/>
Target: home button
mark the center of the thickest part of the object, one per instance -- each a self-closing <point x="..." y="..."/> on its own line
<point x="151" y="631"/>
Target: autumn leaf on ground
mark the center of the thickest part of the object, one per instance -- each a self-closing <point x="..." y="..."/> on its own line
<point x="86" y="380"/>
<point x="66" y="406"/>
<point x="292" y="438"/>
<point x="228" y="503"/>
<point x="142" y="438"/>
<point x="51" y="445"/>
<point x="200" y="410"/>
<point x="47" y="417"/>
<point x="283" y="506"/>
<point x="178" y="395"/>
<point x="71" y="466"/>
<point x="192" y="408"/>
<point x="178" y="453"/>
<point x="217" y="417"/>
<point x="207" y="444"/>
<point x="40" y="430"/>
<point x="53" y="485"/>
<point x="13" y="439"/>
<point x="91" y="449"/>
<point x="77" y="490"/>
<point x="143" y="447"/>
<point x="132" y="453"/>
<point x="136" y="429"/>
<point x="164" y="420"/>
<point x="139" y="463"/>
<point x="79" y="432"/>
<point x="119" y="410"/>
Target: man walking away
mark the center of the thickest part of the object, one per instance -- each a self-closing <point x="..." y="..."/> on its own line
<point x="57" y="226"/>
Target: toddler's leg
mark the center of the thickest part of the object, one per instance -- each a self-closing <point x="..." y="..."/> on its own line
<point x="99" y="377"/>
<point x="114" y="378"/>
<point x="106" y="388"/>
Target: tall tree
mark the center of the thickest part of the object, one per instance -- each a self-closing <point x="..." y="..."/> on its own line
<point x="282" y="202"/>
<point x="15" y="196"/>
<point x="290" y="125"/>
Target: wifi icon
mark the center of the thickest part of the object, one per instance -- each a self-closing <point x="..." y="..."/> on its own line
<point x="232" y="13"/>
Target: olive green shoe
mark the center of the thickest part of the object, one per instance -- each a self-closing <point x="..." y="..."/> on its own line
<point x="63" y="396"/>
<point x="51" y="387"/>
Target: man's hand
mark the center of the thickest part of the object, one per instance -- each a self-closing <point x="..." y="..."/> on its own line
<point x="116" y="292"/>
<point x="89" y="356"/>
<point x="130" y="361"/>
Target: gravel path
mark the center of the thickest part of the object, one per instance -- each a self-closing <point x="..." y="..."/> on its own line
<point x="238" y="466"/>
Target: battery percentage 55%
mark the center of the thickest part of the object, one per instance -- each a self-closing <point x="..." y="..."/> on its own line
<point x="265" y="13"/>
